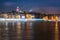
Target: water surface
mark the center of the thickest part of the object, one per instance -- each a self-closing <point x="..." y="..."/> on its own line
<point x="30" y="30"/>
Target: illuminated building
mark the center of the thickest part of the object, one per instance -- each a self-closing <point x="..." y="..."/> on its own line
<point x="30" y="10"/>
<point x="17" y="9"/>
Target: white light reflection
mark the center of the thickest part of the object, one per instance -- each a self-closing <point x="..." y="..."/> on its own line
<point x="3" y="19"/>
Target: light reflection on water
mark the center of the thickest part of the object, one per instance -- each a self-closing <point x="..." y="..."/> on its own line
<point x="18" y="30"/>
<point x="35" y="30"/>
<point x="56" y="31"/>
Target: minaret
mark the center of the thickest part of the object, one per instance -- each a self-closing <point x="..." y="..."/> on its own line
<point x="17" y="9"/>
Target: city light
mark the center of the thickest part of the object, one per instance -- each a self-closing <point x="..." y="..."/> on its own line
<point x="17" y="16"/>
<point x="17" y="9"/>
<point x="3" y="19"/>
<point x="56" y="18"/>
<point x="11" y="19"/>
<point x="28" y="16"/>
<point x="45" y="18"/>
<point x="30" y="10"/>
<point x="21" y="11"/>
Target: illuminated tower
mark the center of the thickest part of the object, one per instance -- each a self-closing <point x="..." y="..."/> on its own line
<point x="17" y="9"/>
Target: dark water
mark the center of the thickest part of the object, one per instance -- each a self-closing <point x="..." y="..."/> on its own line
<point x="30" y="30"/>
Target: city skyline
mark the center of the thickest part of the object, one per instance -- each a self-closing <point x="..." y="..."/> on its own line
<point x="46" y="6"/>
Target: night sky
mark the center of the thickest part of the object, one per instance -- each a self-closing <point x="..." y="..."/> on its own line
<point x="47" y="6"/>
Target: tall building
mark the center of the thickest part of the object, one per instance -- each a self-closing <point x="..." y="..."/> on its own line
<point x="17" y="9"/>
